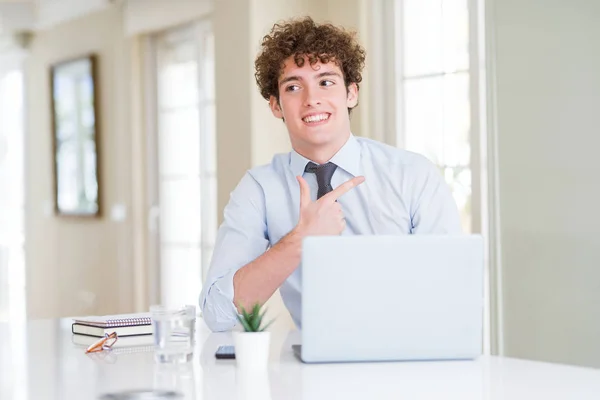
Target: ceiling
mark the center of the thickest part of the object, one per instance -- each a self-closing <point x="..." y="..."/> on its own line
<point x="32" y="15"/>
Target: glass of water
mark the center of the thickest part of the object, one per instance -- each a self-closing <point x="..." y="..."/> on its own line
<point x="173" y="331"/>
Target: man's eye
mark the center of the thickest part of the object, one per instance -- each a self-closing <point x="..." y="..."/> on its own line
<point x="327" y="83"/>
<point x="292" y="88"/>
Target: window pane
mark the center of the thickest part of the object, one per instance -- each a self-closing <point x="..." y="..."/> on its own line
<point x="11" y="143"/>
<point x="180" y="211"/>
<point x="455" y="35"/>
<point x="209" y="202"/>
<point x="459" y="180"/>
<point x="12" y="232"/>
<point x="207" y="253"/>
<point x="437" y="118"/>
<point x="209" y="147"/>
<point x="181" y="275"/>
<point x="422" y="21"/>
<point x="424" y="117"/>
<point x="179" y="142"/>
<point x="178" y="85"/>
<point x="457" y="119"/>
<point x="186" y="151"/>
<point x="209" y="67"/>
<point x="436" y="36"/>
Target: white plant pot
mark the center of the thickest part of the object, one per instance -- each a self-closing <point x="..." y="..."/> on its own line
<point x="252" y="349"/>
<point x="252" y="384"/>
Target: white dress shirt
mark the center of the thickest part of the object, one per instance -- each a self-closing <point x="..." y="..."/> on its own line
<point x="403" y="193"/>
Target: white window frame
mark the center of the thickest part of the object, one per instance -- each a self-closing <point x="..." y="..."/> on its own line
<point x="387" y="121"/>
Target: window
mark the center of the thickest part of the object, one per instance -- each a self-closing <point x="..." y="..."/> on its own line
<point x="430" y="67"/>
<point x="434" y="88"/>
<point x="12" y="231"/>
<point x="186" y="153"/>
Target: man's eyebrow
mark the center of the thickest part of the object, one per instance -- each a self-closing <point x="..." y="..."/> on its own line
<point x="318" y="76"/>
<point x="290" y="78"/>
<point x="328" y="73"/>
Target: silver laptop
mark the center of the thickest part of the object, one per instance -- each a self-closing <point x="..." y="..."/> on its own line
<point x="391" y="298"/>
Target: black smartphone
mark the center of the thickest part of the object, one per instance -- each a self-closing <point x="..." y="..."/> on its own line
<point x="225" y="353"/>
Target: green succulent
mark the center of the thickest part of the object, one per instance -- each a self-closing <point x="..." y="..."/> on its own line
<point x="252" y="322"/>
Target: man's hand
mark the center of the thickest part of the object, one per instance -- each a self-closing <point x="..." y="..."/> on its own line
<point x="324" y="216"/>
<point x="256" y="281"/>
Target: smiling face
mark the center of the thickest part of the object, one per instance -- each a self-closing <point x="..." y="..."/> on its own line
<point x="314" y="102"/>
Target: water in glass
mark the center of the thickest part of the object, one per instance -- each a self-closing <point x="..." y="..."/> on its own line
<point x="173" y="333"/>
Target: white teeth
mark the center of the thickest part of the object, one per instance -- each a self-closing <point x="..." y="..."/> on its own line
<point x="316" y="118"/>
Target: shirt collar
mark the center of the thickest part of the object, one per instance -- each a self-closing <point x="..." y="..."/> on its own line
<point x="347" y="158"/>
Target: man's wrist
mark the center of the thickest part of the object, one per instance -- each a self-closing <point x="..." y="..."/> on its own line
<point x="293" y="240"/>
<point x="296" y="235"/>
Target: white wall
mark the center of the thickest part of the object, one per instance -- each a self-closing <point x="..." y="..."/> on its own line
<point x="149" y="16"/>
<point x="79" y="266"/>
<point x="97" y="266"/>
<point x="548" y="87"/>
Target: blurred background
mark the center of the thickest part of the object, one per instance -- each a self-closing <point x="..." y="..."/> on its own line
<point x="165" y="118"/>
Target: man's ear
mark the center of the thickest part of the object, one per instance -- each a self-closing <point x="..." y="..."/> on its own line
<point x="352" y="97"/>
<point x="275" y="107"/>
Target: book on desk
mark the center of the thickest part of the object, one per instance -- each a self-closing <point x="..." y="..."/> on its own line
<point x="124" y="325"/>
<point x="137" y="343"/>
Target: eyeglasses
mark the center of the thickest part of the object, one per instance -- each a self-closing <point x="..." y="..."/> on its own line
<point x="106" y="343"/>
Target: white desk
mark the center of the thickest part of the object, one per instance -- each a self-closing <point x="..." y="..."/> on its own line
<point x="43" y="363"/>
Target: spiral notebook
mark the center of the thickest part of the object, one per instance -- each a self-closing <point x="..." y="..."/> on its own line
<point x="138" y="341"/>
<point x="114" y="321"/>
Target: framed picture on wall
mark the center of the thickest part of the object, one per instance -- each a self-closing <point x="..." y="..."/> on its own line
<point x="74" y="102"/>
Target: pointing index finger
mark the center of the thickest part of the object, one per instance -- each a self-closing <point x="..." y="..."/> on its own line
<point x="304" y="191"/>
<point x="343" y="188"/>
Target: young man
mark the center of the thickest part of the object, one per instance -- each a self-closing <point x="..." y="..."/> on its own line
<point x="332" y="183"/>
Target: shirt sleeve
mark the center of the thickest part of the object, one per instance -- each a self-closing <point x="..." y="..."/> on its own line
<point x="241" y="238"/>
<point x="434" y="210"/>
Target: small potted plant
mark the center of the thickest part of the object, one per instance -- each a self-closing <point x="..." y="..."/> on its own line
<point x="252" y="345"/>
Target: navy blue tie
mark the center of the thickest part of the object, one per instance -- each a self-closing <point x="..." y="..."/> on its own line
<point x="324" y="173"/>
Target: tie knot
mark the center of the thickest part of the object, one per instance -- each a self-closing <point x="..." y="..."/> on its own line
<point x="324" y="172"/>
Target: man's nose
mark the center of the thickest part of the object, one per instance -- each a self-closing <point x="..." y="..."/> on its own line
<point x="311" y="97"/>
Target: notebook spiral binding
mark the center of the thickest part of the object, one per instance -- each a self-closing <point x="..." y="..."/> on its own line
<point x="128" y="322"/>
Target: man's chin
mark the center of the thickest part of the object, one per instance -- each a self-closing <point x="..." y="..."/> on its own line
<point x="319" y="140"/>
<point x="318" y="135"/>
<point x="314" y="137"/>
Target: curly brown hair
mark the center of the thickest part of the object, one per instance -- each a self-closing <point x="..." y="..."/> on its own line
<point x="303" y="37"/>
